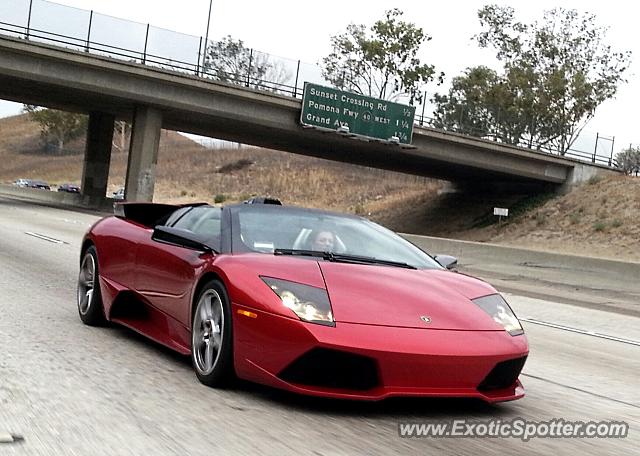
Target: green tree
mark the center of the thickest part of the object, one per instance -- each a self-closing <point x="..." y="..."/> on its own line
<point x="628" y="160"/>
<point x="573" y="69"/>
<point x="380" y="61"/>
<point x="483" y="103"/>
<point x="230" y="61"/>
<point x="57" y="127"/>
<point x="555" y="74"/>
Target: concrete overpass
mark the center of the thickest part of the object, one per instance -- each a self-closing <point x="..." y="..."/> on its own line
<point x="153" y="98"/>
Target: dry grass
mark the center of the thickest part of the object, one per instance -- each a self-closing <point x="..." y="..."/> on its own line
<point x="599" y="218"/>
<point x="187" y="171"/>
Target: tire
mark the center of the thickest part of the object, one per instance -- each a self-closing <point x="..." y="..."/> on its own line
<point x="90" y="306"/>
<point x="211" y="336"/>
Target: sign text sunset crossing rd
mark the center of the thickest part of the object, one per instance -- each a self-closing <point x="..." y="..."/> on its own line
<point x="333" y="109"/>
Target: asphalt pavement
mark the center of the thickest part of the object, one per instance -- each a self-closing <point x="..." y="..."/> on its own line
<point x="68" y="389"/>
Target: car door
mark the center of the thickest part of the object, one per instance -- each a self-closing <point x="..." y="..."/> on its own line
<point x="165" y="273"/>
<point x="117" y="246"/>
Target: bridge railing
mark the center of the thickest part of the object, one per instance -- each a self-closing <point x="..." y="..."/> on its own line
<point x="89" y="31"/>
<point x="601" y="154"/>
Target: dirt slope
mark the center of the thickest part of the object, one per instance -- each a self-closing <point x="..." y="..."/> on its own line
<point x="599" y="218"/>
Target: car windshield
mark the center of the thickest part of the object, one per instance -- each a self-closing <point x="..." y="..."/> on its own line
<point x="302" y="232"/>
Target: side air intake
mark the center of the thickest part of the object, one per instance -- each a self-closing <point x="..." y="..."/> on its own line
<point x="503" y="375"/>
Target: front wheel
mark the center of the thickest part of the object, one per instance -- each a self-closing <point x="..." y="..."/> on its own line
<point x="211" y="350"/>
<point x="89" y="299"/>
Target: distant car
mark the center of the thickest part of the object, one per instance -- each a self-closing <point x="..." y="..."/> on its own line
<point x="119" y="195"/>
<point x="23" y="183"/>
<point x="42" y="185"/>
<point x="69" y="188"/>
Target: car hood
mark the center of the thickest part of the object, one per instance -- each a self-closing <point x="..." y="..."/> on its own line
<point x="392" y="296"/>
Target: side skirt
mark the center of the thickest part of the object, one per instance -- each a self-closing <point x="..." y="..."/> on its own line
<point x="130" y="310"/>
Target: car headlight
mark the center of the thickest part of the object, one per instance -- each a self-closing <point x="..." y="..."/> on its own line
<point x="308" y="303"/>
<point x="499" y="310"/>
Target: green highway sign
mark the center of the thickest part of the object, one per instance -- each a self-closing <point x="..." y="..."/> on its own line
<point x="329" y="108"/>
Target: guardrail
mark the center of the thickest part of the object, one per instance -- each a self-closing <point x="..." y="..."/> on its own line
<point x="96" y="33"/>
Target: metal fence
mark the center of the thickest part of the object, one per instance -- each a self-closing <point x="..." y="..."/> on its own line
<point x="458" y="122"/>
<point x="89" y="31"/>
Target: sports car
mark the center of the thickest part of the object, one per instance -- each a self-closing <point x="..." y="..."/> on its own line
<point x="309" y="301"/>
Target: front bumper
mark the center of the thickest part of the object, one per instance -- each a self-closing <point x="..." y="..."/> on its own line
<point x="281" y="352"/>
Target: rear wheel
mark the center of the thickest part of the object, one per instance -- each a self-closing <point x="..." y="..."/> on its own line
<point x="89" y="299"/>
<point x="211" y="350"/>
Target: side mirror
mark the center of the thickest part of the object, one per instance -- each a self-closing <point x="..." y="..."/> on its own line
<point x="180" y="238"/>
<point x="447" y="261"/>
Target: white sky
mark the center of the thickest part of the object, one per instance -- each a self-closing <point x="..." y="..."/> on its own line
<point x="301" y="30"/>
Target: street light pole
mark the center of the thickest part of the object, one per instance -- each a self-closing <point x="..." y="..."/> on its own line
<point x="206" y="37"/>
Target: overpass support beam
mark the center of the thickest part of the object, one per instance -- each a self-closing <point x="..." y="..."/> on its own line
<point x="97" y="157"/>
<point x="143" y="154"/>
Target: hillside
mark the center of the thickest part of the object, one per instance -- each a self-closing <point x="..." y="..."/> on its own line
<point x="188" y="171"/>
<point x="600" y="218"/>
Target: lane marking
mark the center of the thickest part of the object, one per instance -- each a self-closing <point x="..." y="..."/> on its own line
<point x="582" y="331"/>
<point x="45" y="238"/>
<point x="75" y="222"/>
<point x="5" y="437"/>
<point x="601" y="396"/>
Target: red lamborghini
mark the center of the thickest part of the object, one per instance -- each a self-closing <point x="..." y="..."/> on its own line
<point x="309" y="301"/>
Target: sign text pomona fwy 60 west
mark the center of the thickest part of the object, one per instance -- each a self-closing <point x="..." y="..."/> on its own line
<point x="333" y="109"/>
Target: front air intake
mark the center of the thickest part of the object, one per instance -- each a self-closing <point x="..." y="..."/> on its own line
<point x="503" y="375"/>
<point x="332" y="369"/>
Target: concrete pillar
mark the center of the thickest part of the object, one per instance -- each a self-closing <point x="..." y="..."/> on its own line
<point x="143" y="154"/>
<point x="582" y="173"/>
<point x="97" y="157"/>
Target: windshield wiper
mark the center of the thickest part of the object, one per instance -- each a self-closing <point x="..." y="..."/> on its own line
<point x="313" y="253"/>
<point x="339" y="257"/>
<point x="343" y="258"/>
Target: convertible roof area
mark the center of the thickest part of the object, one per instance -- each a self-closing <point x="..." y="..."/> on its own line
<point x="148" y="214"/>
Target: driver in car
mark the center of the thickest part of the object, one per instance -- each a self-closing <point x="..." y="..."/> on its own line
<point x="322" y="240"/>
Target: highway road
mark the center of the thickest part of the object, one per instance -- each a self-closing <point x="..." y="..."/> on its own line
<point x="69" y="389"/>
